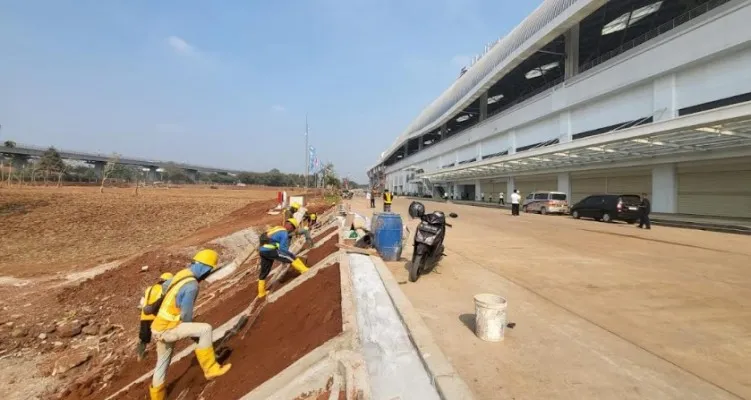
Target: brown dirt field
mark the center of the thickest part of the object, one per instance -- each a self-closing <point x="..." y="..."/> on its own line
<point x="219" y="310"/>
<point x="62" y="229"/>
<point x="286" y="330"/>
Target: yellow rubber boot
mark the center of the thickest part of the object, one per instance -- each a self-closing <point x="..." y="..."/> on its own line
<point x="299" y="266"/>
<point x="261" y="288"/>
<point x="211" y="368"/>
<point x="157" y="393"/>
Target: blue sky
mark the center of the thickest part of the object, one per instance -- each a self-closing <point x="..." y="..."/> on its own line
<point x="228" y="83"/>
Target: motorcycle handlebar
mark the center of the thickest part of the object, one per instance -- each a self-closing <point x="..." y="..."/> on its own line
<point x="449" y="225"/>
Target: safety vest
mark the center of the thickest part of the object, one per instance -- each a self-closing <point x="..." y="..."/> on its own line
<point x="152" y="294"/>
<point x="266" y="242"/>
<point x="388" y="197"/>
<point x="168" y="316"/>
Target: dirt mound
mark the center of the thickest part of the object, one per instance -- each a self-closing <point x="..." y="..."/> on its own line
<point x="286" y="330"/>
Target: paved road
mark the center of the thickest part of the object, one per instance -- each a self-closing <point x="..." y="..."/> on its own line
<point x="604" y="311"/>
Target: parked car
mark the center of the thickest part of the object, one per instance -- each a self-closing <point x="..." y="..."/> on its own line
<point x="608" y="208"/>
<point x="546" y="203"/>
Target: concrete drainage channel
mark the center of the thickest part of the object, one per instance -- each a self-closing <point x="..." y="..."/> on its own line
<point x="313" y="339"/>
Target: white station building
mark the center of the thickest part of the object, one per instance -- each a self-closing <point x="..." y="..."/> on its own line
<point x="591" y="97"/>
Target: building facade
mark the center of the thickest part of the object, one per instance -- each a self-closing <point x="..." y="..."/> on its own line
<point x="595" y="96"/>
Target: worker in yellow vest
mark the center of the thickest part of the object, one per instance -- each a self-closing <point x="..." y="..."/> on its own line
<point x="150" y="296"/>
<point x="174" y="321"/>
<point x="291" y="211"/>
<point x="388" y="198"/>
<point x="275" y="247"/>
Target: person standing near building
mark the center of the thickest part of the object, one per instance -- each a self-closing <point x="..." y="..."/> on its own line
<point x="500" y="199"/>
<point x="369" y="196"/>
<point x="644" y="209"/>
<point x="388" y="198"/>
<point x="515" y="199"/>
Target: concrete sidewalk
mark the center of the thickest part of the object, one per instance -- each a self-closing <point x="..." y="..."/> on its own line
<point x="726" y="225"/>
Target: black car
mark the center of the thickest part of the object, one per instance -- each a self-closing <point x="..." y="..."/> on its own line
<point x="608" y="207"/>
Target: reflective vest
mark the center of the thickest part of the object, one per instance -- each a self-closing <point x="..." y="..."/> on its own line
<point x="269" y="244"/>
<point x="168" y="316"/>
<point x="388" y="197"/>
<point x="152" y="294"/>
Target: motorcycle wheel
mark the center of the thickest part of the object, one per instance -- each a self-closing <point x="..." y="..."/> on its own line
<point x="415" y="267"/>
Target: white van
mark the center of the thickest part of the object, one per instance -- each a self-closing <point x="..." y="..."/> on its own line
<point x="546" y="203"/>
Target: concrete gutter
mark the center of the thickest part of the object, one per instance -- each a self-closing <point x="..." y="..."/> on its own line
<point x="448" y="383"/>
<point x="656" y="219"/>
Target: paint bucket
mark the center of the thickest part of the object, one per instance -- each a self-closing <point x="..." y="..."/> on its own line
<point x="387" y="235"/>
<point x="490" y="317"/>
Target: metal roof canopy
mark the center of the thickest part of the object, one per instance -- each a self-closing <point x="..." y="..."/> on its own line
<point x="723" y="128"/>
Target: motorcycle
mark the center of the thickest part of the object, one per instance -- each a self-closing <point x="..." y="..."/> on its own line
<point x="428" y="242"/>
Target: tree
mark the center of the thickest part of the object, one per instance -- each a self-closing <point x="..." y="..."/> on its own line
<point x="51" y="162"/>
<point x="112" y="163"/>
<point x="11" y="145"/>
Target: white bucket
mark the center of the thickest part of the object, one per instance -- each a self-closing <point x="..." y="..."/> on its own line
<point x="490" y="317"/>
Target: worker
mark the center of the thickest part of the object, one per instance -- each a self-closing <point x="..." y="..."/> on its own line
<point x="174" y="321"/>
<point x="310" y="219"/>
<point x="388" y="198"/>
<point x="645" y="207"/>
<point x="291" y="211"/>
<point x="515" y="200"/>
<point x="275" y="247"/>
<point x="150" y="296"/>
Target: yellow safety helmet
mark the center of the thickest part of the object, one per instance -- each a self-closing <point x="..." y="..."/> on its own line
<point x="313" y="216"/>
<point x="208" y="257"/>
<point x="293" y="222"/>
<point x="166" y="276"/>
<point x="296" y="206"/>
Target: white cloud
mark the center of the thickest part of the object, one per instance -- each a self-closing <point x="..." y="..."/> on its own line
<point x="278" y="108"/>
<point x="180" y="46"/>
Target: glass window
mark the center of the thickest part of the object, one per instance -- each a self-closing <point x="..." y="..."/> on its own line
<point x="529" y="196"/>
<point x="558" y="196"/>
<point x="541" y="196"/>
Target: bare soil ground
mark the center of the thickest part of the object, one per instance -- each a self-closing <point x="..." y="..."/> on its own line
<point x="46" y="230"/>
<point x="51" y="323"/>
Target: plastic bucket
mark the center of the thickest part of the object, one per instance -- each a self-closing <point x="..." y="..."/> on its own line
<point x="490" y="317"/>
<point x="387" y="235"/>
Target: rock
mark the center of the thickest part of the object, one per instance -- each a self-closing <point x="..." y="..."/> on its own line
<point x="144" y="268"/>
<point x="90" y="330"/>
<point x="58" y="344"/>
<point x="9" y="324"/>
<point x="16" y="316"/>
<point x="105" y="329"/>
<point x="108" y="377"/>
<point x="69" y="330"/>
<point x="19" y="332"/>
<point x="49" y="328"/>
<point x="69" y="361"/>
<point x="42" y="336"/>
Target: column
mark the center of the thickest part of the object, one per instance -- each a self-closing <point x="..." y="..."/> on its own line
<point x="512" y="142"/>
<point x="478" y="190"/>
<point x="152" y="175"/>
<point x="664" y="98"/>
<point x="420" y="141"/>
<point x="484" y="106"/>
<point x="564" y="184"/>
<point x="478" y="151"/>
<point x="564" y="121"/>
<point x="510" y="186"/>
<point x="664" y="189"/>
<point x="99" y="169"/>
<point x="404" y="151"/>
<point x="571" y="38"/>
<point x="192" y="175"/>
<point x="444" y="132"/>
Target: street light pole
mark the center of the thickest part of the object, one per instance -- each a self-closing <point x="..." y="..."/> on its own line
<point x="307" y="153"/>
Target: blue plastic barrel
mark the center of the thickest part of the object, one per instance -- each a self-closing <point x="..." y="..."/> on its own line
<point x="387" y="235"/>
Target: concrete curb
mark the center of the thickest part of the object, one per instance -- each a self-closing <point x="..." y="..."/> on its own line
<point x="448" y="383"/>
